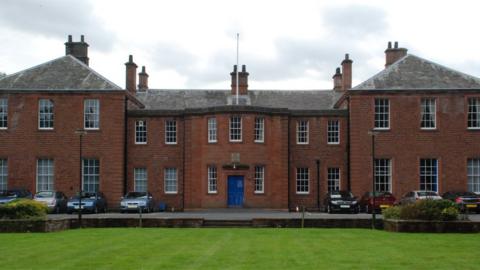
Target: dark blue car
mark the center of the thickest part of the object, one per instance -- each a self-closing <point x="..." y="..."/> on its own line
<point x="92" y="202"/>
<point x="13" y="194"/>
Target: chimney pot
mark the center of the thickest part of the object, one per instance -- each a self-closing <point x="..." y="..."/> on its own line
<point x="346" y="56"/>
<point x="69" y="38"/>
<point x="130" y="58"/>
<point x="244" y="68"/>
<point x="396" y="44"/>
<point x="389" y="45"/>
<point x="82" y="38"/>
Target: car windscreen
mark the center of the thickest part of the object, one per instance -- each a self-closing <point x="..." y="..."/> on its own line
<point x="341" y="195"/>
<point x="133" y="195"/>
<point x="427" y="194"/>
<point x="44" y="194"/>
<point x="8" y="194"/>
<point x="86" y="196"/>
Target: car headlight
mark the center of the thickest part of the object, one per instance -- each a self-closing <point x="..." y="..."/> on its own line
<point x="122" y="203"/>
<point x="354" y="202"/>
<point x="70" y="204"/>
<point x="88" y="204"/>
<point x="334" y="202"/>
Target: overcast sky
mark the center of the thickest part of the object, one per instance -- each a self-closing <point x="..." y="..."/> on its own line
<point x="285" y="44"/>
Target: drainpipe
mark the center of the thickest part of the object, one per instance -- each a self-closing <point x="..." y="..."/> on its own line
<point x="183" y="159"/>
<point x="348" y="145"/>
<point x="288" y="161"/>
<point x="318" y="184"/>
<point x="125" y="146"/>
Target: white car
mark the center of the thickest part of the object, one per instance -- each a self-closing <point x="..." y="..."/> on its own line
<point x="413" y="196"/>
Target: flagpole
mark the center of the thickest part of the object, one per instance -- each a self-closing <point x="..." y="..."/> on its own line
<point x="238" y="37"/>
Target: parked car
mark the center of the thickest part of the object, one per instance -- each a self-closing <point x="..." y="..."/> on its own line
<point x="413" y="196"/>
<point x="382" y="200"/>
<point x="465" y="200"/>
<point x="13" y="194"/>
<point x="56" y="201"/>
<point x="134" y="201"/>
<point x="341" y="201"/>
<point x="92" y="202"/>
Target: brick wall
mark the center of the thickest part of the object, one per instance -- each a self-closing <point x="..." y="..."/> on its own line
<point x="23" y="143"/>
<point x="405" y="143"/>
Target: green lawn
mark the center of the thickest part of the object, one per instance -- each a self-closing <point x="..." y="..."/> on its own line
<point x="132" y="248"/>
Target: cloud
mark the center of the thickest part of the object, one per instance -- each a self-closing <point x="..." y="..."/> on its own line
<point x="56" y="18"/>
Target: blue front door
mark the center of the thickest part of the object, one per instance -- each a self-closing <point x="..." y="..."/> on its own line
<point x="235" y="191"/>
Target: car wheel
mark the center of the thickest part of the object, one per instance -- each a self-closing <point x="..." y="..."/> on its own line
<point x="329" y="210"/>
<point x="95" y="210"/>
<point x="56" y="210"/>
<point x="367" y="209"/>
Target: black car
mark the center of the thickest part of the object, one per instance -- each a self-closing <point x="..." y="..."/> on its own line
<point x="466" y="200"/>
<point x="341" y="201"/>
<point x="13" y="194"/>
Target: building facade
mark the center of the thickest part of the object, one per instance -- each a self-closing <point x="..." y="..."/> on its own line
<point x="63" y="125"/>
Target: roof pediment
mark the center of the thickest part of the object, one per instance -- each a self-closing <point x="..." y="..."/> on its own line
<point x="64" y="73"/>
<point x="412" y="72"/>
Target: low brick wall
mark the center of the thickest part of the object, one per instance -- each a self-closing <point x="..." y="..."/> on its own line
<point x="423" y="226"/>
<point x="315" y="223"/>
<point x="135" y="222"/>
<point x="27" y="225"/>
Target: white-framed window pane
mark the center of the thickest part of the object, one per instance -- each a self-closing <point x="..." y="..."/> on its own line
<point x="212" y="179"/>
<point x="140" y="177"/>
<point x="302" y="132"/>
<point x="383" y="175"/>
<point x="473" y="113"/>
<point x="91" y="175"/>
<point x="259" y="179"/>
<point x="170" y="131"/>
<point x="303" y="179"/>
<point x="333" y="132"/>
<point x="45" y="175"/>
<point x="333" y="179"/>
<point x="3" y="113"/>
<point x="140" y="132"/>
<point x="235" y="129"/>
<point x="429" y="175"/>
<point x="259" y="129"/>
<point x="473" y="175"/>
<point x="170" y="180"/>
<point x="91" y="113"/>
<point x="45" y="114"/>
<point x="428" y="115"/>
<point x="382" y="113"/>
<point x="3" y="174"/>
<point x="212" y="130"/>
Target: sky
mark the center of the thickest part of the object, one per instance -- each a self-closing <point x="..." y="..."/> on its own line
<point x="188" y="44"/>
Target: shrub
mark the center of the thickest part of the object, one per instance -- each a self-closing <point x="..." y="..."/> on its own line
<point x="23" y="209"/>
<point x="425" y="210"/>
<point x="392" y="212"/>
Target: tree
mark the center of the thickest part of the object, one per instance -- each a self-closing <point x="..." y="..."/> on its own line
<point x="2" y="74"/>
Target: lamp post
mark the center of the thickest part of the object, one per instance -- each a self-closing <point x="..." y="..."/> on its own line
<point x="374" y="217"/>
<point x="80" y="133"/>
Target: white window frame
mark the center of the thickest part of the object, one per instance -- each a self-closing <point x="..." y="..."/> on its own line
<point x="259" y="180"/>
<point x="212" y="182"/>
<point x="141" y="136"/>
<point x="304" y="131"/>
<point x="3" y="174"/>
<point x="433" y="174"/>
<point x="3" y="113"/>
<point x="88" y="105"/>
<point x="45" y="175"/>
<point x="235" y="128"/>
<point x="302" y="180"/>
<point x="473" y="113"/>
<point x="140" y="176"/>
<point x="46" y="114"/>
<point x="259" y="130"/>
<point x="333" y="179"/>
<point x="333" y="132"/>
<point x="90" y="174"/>
<point x="426" y="115"/>
<point x="170" y="181"/>
<point x="473" y="175"/>
<point x="383" y="174"/>
<point x="212" y="129"/>
<point x="379" y="110"/>
<point x="171" y="131"/>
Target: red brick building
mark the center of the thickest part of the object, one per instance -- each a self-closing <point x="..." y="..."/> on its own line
<point x="259" y="149"/>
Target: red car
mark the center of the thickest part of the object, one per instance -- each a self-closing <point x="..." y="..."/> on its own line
<point x="382" y="200"/>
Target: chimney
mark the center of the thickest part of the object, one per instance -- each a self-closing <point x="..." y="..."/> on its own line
<point x="131" y="75"/>
<point x="392" y="55"/>
<point x="242" y="81"/>
<point x="337" y="80"/>
<point x="346" y="73"/>
<point x="142" y="80"/>
<point x="78" y="50"/>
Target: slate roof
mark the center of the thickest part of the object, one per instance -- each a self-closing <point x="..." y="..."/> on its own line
<point x="412" y="72"/>
<point x="157" y="99"/>
<point x="64" y="73"/>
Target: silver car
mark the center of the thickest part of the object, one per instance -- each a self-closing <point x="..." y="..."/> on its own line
<point x="413" y="196"/>
<point x="136" y="201"/>
<point x="56" y="201"/>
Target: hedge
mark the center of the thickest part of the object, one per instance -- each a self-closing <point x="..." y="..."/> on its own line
<point x="23" y="209"/>
<point x="424" y="210"/>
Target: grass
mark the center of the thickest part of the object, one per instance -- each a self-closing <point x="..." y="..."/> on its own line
<point x="131" y="248"/>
